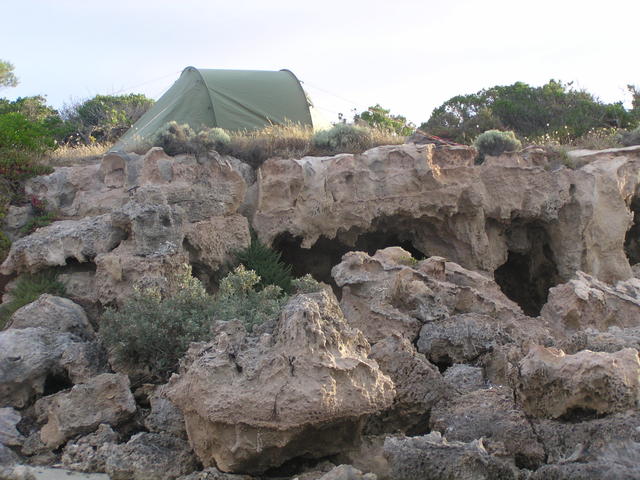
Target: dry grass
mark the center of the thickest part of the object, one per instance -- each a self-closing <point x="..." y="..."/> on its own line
<point x="83" y="154"/>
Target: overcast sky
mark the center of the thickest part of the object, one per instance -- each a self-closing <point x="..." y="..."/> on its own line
<point x="409" y="56"/>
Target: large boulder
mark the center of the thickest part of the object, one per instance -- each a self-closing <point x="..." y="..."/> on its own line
<point x="251" y="403"/>
<point x="553" y="384"/>
<point x="106" y="399"/>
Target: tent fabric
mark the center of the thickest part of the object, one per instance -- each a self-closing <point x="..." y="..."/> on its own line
<point x="230" y="99"/>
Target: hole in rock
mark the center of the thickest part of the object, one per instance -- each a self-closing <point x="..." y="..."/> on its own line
<point x="326" y="253"/>
<point x="295" y="466"/>
<point x="530" y="270"/>
<point x="577" y="415"/>
<point x="443" y="363"/>
<point x="632" y="238"/>
<point x="56" y="382"/>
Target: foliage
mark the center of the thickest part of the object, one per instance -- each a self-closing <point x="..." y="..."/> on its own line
<point x="631" y="138"/>
<point x="306" y="284"/>
<point x="409" y="260"/>
<point x="7" y="77"/>
<point x="495" y="142"/>
<point x="343" y="138"/>
<point x="38" y="221"/>
<point x="528" y="111"/>
<point x="241" y="297"/>
<point x="381" y="118"/>
<point x="177" y="138"/>
<point x="154" y="331"/>
<point x="104" y="118"/>
<point x="27" y="289"/>
<point x="5" y="246"/>
<point x="266" y="263"/>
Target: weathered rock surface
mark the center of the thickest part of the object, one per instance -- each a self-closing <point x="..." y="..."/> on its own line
<point x="251" y="403"/>
<point x="471" y="215"/>
<point x="553" y="384"/>
<point x="388" y="293"/>
<point x="50" y="246"/>
<point x="432" y="457"/>
<point x="492" y="415"/>
<point x="347" y="472"/>
<point x="87" y="453"/>
<point x="104" y="399"/>
<point x="149" y="456"/>
<point x="9" y="435"/>
<point x="419" y="384"/>
<point x="164" y="416"/>
<point x="213" y="473"/>
<point x="464" y="378"/>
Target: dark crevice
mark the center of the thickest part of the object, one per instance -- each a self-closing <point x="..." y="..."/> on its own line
<point x="56" y="382"/>
<point x="578" y="415"/>
<point x="632" y="238"/>
<point x="530" y="269"/>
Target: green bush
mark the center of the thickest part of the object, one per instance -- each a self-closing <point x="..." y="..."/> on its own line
<point x="155" y="332"/>
<point x="5" y="246"/>
<point x="495" y="142"/>
<point x="104" y="118"/>
<point x="266" y="263"/>
<point x="343" y="138"/>
<point x="240" y="297"/>
<point x="381" y="118"/>
<point x="36" y="222"/>
<point x="306" y="284"/>
<point x="27" y="289"/>
<point x="631" y="138"/>
<point x="175" y="138"/>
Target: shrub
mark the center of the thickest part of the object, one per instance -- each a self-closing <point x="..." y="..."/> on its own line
<point x="306" y="284"/>
<point x="27" y="289"/>
<point x="381" y="118"/>
<point x="266" y="263"/>
<point x="343" y="138"/>
<point x="240" y="297"/>
<point x="5" y="246"/>
<point x="495" y="142"/>
<point x="155" y="332"/>
<point x="631" y="138"/>
<point x="177" y="138"/>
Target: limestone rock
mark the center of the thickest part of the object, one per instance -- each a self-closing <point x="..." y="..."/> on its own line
<point x="104" y="399"/>
<point x="492" y="415"/>
<point x="553" y="384"/>
<point x="55" y="314"/>
<point x="384" y="294"/>
<point x="7" y="457"/>
<point x="149" y="456"/>
<point x="251" y="403"/>
<point x="432" y="457"/>
<point x="50" y="246"/>
<point x="612" y="340"/>
<point x="164" y="416"/>
<point x="87" y="453"/>
<point x="9" y="435"/>
<point x="347" y="472"/>
<point x="464" y="378"/>
<point x="16" y="217"/>
<point x="211" y="243"/>
<point x="212" y="473"/>
<point x="585" y="302"/>
<point x="419" y="384"/>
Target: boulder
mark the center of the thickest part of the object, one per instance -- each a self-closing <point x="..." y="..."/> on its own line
<point x="164" y="416"/>
<point x="104" y="399"/>
<point x="55" y="314"/>
<point x="464" y="378"/>
<point x="53" y="245"/>
<point x="149" y="456"/>
<point x="611" y="340"/>
<point x="347" y="472"/>
<point x="419" y="385"/>
<point x="553" y="384"/>
<point x="9" y="435"/>
<point x="212" y="473"/>
<point x="432" y="457"/>
<point x="251" y="403"/>
<point x="490" y="415"/>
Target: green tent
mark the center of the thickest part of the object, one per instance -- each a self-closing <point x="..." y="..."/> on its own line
<point x="230" y="99"/>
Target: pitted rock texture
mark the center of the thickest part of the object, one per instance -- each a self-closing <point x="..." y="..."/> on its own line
<point x="87" y="454"/>
<point x="251" y="403"/>
<point x="9" y="435"/>
<point x="553" y="384"/>
<point x="104" y="399"/>
<point x="50" y="246"/>
<point x="432" y="457"/>
<point x="472" y="215"/>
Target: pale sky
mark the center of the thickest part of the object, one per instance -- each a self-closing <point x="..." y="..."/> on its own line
<point x="409" y="56"/>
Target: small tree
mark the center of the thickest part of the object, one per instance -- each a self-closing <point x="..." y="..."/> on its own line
<point x="7" y="77"/>
<point x="381" y="118"/>
<point x="495" y="142"/>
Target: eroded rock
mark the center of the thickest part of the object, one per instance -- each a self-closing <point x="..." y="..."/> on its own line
<point x="252" y="403"/>
<point x="553" y="384"/>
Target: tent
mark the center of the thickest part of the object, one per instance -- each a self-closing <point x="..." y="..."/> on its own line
<point x="230" y="99"/>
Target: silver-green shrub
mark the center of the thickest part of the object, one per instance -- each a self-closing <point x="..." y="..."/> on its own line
<point x="631" y="138"/>
<point x="495" y="142"/>
<point x="175" y="138"/>
<point x="306" y="284"/>
<point x="343" y="138"/>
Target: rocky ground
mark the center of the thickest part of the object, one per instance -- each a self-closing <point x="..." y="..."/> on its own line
<point x="483" y="321"/>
